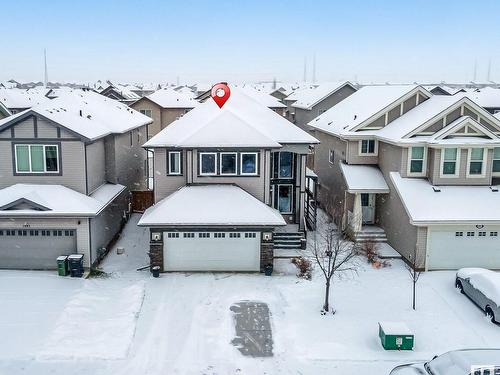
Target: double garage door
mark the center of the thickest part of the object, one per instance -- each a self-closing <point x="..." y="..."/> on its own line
<point x="463" y="247"/>
<point x="35" y="248"/>
<point x="211" y="251"/>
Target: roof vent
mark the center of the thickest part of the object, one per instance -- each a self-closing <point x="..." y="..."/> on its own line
<point x="494" y="189"/>
<point x="355" y="117"/>
<point x="89" y="117"/>
<point x="436" y="189"/>
<point x="81" y="113"/>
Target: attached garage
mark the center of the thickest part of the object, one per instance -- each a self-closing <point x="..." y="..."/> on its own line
<point x="211" y="251"/>
<point x="35" y="248"/>
<point x="464" y="246"/>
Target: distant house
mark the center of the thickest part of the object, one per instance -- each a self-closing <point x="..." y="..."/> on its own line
<point x="265" y="99"/>
<point x="121" y="93"/>
<point x="487" y="97"/>
<point x="415" y="169"/>
<point x="307" y="103"/>
<point x="68" y="167"/>
<point x="224" y="180"/>
<point x="17" y="100"/>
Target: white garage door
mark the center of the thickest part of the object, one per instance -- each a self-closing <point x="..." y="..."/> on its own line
<point x="211" y="251"/>
<point x="464" y="247"/>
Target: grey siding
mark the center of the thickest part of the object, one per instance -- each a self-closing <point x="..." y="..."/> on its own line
<point x="164" y="185"/>
<point x="46" y="129"/>
<point x="108" y="223"/>
<point x="353" y="156"/>
<point x="96" y="165"/>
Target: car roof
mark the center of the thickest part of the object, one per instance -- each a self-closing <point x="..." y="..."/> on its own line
<point x="461" y="361"/>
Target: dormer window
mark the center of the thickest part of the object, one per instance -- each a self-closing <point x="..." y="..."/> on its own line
<point x="477" y="161"/>
<point x="368" y="147"/>
<point x="416" y="161"/>
<point x="450" y="158"/>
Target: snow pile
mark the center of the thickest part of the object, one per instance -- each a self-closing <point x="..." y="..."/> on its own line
<point x="97" y="323"/>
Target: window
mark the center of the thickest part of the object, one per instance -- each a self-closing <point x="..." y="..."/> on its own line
<point x="482" y="234"/>
<point x="285" y="198"/>
<point x="172" y="235"/>
<point x="449" y="165"/>
<point x="174" y="163"/>
<point x="227" y="163"/>
<point x="188" y="235"/>
<point x="331" y="156"/>
<point x="367" y="147"/>
<point x="37" y="158"/>
<point x="459" y="234"/>
<point x="219" y="235"/>
<point x="285" y="167"/>
<point x="208" y="163"/>
<point x="493" y="234"/>
<point x="1" y="232"/>
<point x="203" y="235"/>
<point x="496" y="160"/>
<point x="234" y="235"/>
<point x="248" y="163"/>
<point x="147" y="112"/>
<point x="250" y="235"/>
<point x="470" y="234"/>
<point x="417" y="157"/>
<point x="33" y="233"/>
<point x="476" y="162"/>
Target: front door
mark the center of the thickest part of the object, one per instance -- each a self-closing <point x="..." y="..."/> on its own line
<point x="368" y="207"/>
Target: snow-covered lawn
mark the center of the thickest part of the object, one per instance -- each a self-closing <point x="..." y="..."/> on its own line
<point x="185" y="324"/>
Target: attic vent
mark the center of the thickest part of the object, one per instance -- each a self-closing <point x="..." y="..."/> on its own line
<point x="494" y="189"/>
<point x="436" y="189"/>
<point x="331" y="122"/>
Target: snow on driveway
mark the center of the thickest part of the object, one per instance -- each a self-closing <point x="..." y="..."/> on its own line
<point x="97" y="323"/>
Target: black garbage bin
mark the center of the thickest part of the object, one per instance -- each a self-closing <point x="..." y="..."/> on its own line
<point x="155" y="271"/>
<point x="75" y="263"/>
<point x="268" y="270"/>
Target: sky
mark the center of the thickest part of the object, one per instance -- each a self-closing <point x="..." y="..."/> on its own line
<point x="250" y="41"/>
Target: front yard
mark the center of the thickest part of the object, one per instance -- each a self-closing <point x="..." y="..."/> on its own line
<point x="181" y="323"/>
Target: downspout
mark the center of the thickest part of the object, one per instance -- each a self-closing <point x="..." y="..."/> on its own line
<point x="86" y="172"/>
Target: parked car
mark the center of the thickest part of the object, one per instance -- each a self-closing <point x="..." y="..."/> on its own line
<point x="482" y="286"/>
<point x="457" y="362"/>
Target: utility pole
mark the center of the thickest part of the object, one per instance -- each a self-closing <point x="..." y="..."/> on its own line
<point x="46" y="76"/>
<point x="305" y="69"/>
<point x="489" y="71"/>
<point x="475" y="71"/>
<point x="314" y="68"/>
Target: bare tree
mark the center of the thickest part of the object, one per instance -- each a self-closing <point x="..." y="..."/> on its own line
<point x="413" y="270"/>
<point x="335" y="255"/>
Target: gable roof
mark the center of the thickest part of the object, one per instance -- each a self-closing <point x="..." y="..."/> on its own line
<point x="86" y="113"/>
<point x="55" y="200"/>
<point x="262" y="97"/>
<point x="170" y="98"/>
<point x="309" y="97"/>
<point x="359" y="107"/>
<point x="241" y="121"/>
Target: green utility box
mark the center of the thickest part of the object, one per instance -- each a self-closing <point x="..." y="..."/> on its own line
<point x="62" y="265"/>
<point x="395" y="336"/>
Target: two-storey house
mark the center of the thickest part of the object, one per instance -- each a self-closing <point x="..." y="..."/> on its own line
<point x="225" y="178"/>
<point x="418" y="166"/>
<point x="66" y="170"/>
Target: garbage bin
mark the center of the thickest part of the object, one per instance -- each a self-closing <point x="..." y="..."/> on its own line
<point x="75" y="265"/>
<point x="395" y="336"/>
<point x="155" y="271"/>
<point x="62" y="265"/>
<point x="268" y="270"/>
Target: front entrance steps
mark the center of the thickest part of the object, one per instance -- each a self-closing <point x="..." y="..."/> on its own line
<point x="370" y="233"/>
<point x="287" y="244"/>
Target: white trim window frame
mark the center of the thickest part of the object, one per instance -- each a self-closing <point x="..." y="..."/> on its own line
<point x="449" y="161"/>
<point x="292" y="164"/>
<point x="289" y="212"/>
<point x="367" y="153"/>
<point x="256" y="164"/>
<point x="200" y="162"/>
<point x="147" y="112"/>
<point x="177" y="164"/>
<point x="331" y="156"/>
<point x="221" y="157"/>
<point x="496" y="158"/>
<point x="44" y="152"/>
<point x="482" y="161"/>
<point x="423" y="172"/>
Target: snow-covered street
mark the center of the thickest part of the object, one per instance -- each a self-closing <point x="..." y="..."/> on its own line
<point x="184" y="324"/>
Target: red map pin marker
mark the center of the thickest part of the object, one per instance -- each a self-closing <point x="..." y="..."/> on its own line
<point x="220" y="93"/>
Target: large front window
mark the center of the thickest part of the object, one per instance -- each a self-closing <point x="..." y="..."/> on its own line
<point x="37" y="158"/>
<point x="450" y="159"/>
<point x="368" y="147"/>
<point x="417" y="156"/>
<point x="476" y="161"/>
<point x="285" y="165"/>
<point x="228" y="163"/>
<point x="248" y="163"/>
<point x="208" y="163"/>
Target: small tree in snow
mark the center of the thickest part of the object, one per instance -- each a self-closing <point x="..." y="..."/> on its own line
<point x="412" y="267"/>
<point x="335" y="255"/>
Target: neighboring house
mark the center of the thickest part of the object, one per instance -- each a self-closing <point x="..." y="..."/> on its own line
<point x="225" y="179"/>
<point x="306" y="104"/>
<point x="265" y="99"/>
<point x="18" y="100"/>
<point x="4" y="112"/>
<point x="164" y="106"/>
<point x="420" y="167"/>
<point x="487" y="97"/>
<point x="121" y="93"/>
<point x="67" y="169"/>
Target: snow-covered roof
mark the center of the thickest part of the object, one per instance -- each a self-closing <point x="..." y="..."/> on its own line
<point x="359" y="107"/>
<point x="54" y="200"/>
<point x="426" y="204"/>
<point x="363" y="179"/>
<point x="211" y="205"/>
<point x="241" y="122"/>
<point x="262" y="97"/>
<point x="170" y="98"/>
<point x="87" y="113"/>
<point x="21" y="99"/>
<point x="309" y="97"/>
<point x="487" y="97"/>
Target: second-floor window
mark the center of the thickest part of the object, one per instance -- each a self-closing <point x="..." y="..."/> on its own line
<point x="147" y="112"/>
<point x="208" y="163"/>
<point x="449" y="165"/>
<point x="417" y="161"/>
<point x="174" y="163"/>
<point x="285" y="165"/>
<point x="496" y="161"/>
<point x="37" y="158"/>
<point x="228" y="163"/>
<point x="248" y="163"/>
<point x="331" y="156"/>
<point x="367" y="147"/>
<point x="476" y="162"/>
